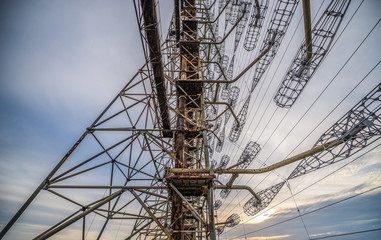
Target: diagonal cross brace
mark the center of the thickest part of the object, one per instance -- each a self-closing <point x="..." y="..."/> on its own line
<point x="193" y="211"/>
<point x="165" y="230"/>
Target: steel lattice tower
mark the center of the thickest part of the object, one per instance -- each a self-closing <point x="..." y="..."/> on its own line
<point x="159" y="132"/>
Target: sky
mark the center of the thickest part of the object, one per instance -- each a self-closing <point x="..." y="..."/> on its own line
<point x="62" y="62"/>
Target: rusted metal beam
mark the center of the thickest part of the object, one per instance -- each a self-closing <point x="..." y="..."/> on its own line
<point x="229" y="107"/>
<point x="266" y="50"/>
<point x="177" y="19"/>
<point x="307" y="29"/>
<point x="258" y="9"/>
<point x="106" y="187"/>
<point x="285" y="162"/>
<point x="79" y="216"/>
<point x="139" y="230"/>
<point x="193" y="211"/>
<point x="227" y="34"/>
<point x="153" y="40"/>
<point x="165" y="230"/>
<point x="210" y="197"/>
<point x="240" y="187"/>
<point x="231" y="180"/>
<point x="219" y="14"/>
<point x="43" y="184"/>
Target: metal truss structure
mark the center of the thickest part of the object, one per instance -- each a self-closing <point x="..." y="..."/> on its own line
<point x="238" y="126"/>
<point x="280" y="20"/>
<point x="255" y="25"/>
<point x="249" y="153"/>
<point x="253" y="207"/>
<point x="358" y="128"/>
<point x="152" y="147"/>
<point x="310" y="55"/>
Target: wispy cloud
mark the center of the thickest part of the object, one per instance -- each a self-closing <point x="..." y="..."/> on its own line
<point x="264" y="237"/>
<point x="324" y="234"/>
<point x="63" y="62"/>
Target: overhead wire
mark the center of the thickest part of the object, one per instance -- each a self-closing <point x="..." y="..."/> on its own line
<point x="230" y="148"/>
<point x="332" y="110"/>
<point x="333" y="44"/>
<point x="253" y="69"/>
<point x="253" y="53"/>
<point x="288" y="185"/>
<point x="250" y="71"/>
<point x="337" y="105"/>
<point x="294" y="33"/>
<point x="313" y="184"/>
<point x="298" y="210"/>
<point x="315" y="100"/>
<point x="348" y="233"/>
<point x="336" y="40"/>
<point x="316" y="210"/>
<point x="324" y="89"/>
<point x="269" y="84"/>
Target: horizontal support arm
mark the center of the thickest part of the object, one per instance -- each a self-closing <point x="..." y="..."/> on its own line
<point x="230" y="108"/>
<point x="267" y="49"/>
<point x="222" y="10"/>
<point x="230" y="31"/>
<point x="285" y="162"/>
<point x="240" y="187"/>
<point x="106" y="187"/>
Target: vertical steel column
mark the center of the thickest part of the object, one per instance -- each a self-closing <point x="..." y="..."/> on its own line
<point x="177" y="19"/>
<point x="177" y="205"/>
<point x="307" y="29"/>
<point x="212" y="227"/>
<point x="184" y="225"/>
<point x="83" y="227"/>
<point x="180" y="134"/>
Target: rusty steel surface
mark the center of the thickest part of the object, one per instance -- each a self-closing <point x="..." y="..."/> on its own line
<point x="158" y="135"/>
<point x="153" y="40"/>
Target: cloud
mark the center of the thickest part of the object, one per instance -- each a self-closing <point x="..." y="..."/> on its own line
<point x="264" y="238"/>
<point x="262" y="217"/>
<point x="348" y="216"/>
<point x="63" y="62"/>
<point x="68" y="55"/>
<point x="324" y="234"/>
<point x="25" y="231"/>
